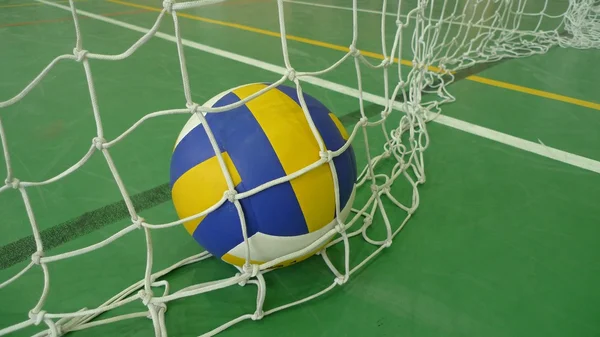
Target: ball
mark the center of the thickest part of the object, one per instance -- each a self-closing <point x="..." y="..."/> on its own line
<point x="264" y="139"/>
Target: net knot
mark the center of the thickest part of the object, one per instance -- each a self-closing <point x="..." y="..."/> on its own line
<point x="230" y="195"/>
<point x="386" y="62"/>
<point x="35" y="257"/>
<point x="258" y="315"/>
<point x="353" y="51"/>
<point x="37" y="317"/>
<point x="385" y="113"/>
<point x="193" y="107"/>
<point x="340" y="280"/>
<point x="388" y="243"/>
<point x="80" y="54"/>
<point x="99" y="143"/>
<point x="138" y="222"/>
<point x="340" y="228"/>
<point x="146" y="297"/>
<point x="363" y="121"/>
<point x="242" y="282"/>
<point x="327" y="155"/>
<point x="374" y="188"/>
<point x="291" y="74"/>
<point x="160" y="306"/>
<point x="252" y="269"/>
<point x="168" y="5"/>
<point x="14" y="183"/>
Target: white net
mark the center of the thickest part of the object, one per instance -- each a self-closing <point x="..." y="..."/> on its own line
<point x="446" y="37"/>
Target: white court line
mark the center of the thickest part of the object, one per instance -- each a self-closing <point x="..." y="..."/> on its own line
<point x="539" y="149"/>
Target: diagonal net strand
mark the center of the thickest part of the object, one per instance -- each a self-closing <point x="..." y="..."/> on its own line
<point x="441" y="37"/>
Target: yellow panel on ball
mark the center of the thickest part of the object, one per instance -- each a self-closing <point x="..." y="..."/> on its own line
<point x="296" y="147"/>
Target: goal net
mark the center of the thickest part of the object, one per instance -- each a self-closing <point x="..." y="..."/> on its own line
<point x="430" y="44"/>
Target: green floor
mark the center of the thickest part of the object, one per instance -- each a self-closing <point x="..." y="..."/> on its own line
<point x="505" y="242"/>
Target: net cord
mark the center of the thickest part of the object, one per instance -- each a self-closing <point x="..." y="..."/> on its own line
<point x="439" y="50"/>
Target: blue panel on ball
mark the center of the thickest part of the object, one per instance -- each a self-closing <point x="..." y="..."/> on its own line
<point x="345" y="164"/>
<point x="192" y="150"/>
<point x="220" y="230"/>
<point x="275" y="209"/>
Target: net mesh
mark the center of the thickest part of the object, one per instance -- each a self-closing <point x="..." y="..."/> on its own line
<point x="445" y="37"/>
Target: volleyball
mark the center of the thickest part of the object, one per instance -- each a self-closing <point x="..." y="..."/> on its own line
<point x="266" y="138"/>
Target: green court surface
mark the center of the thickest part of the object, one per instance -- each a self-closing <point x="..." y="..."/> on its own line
<point x="504" y="243"/>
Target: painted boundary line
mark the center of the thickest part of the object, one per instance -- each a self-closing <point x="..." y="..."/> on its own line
<point x="529" y="146"/>
<point x="20" y="250"/>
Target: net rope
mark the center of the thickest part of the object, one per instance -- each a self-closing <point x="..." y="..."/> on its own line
<point x="446" y="37"/>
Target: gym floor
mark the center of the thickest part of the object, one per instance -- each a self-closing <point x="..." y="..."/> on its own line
<point x="505" y="242"/>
